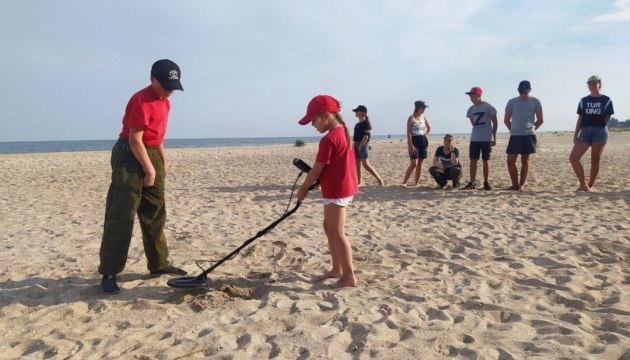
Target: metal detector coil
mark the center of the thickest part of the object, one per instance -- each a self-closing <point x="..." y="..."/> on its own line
<point x="191" y="282"/>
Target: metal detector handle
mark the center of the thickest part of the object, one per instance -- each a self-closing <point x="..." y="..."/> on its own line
<point x="262" y="232"/>
<point x="304" y="167"/>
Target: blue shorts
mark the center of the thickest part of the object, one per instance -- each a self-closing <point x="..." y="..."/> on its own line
<point x="593" y="134"/>
<point x="363" y="154"/>
<point x="521" y="145"/>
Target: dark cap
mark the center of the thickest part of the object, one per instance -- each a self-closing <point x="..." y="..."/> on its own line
<point x="360" y="108"/>
<point x="420" y="104"/>
<point x="167" y="73"/>
<point x="524" y="85"/>
<point x="475" y="90"/>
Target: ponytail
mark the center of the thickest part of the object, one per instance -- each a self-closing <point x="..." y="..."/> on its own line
<point x="367" y="118"/>
<point x="348" y="136"/>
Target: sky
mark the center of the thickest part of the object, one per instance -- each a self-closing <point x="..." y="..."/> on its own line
<point x="250" y="67"/>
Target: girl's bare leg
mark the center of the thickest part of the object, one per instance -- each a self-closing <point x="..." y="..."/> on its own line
<point x="596" y="154"/>
<point x="576" y="155"/>
<point x="412" y="165"/>
<point x="336" y="268"/>
<point x="418" y="171"/>
<point x="335" y="218"/>
<point x="371" y="170"/>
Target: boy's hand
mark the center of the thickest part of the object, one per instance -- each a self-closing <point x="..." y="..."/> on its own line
<point x="149" y="177"/>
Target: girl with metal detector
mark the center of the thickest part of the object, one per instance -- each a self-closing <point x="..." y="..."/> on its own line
<point x="335" y="167"/>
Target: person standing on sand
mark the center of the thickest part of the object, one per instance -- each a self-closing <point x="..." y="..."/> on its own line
<point x="483" y="118"/>
<point x="361" y="140"/>
<point x="594" y="113"/>
<point x="418" y="129"/>
<point x="523" y="116"/>
<point x="139" y="167"/>
<point x="335" y="167"/>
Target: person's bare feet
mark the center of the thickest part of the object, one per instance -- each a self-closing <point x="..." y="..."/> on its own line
<point x="381" y="182"/>
<point x="521" y="188"/>
<point x="513" y="188"/>
<point x="583" y="188"/>
<point x="328" y="275"/>
<point x="413" y="185"/>
<point x="351" y="281"/>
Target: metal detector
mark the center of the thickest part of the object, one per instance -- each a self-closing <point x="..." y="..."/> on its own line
<point x="189" y="282"/>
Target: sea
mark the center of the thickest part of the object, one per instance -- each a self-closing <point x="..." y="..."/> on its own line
<point x="29" y="147"/>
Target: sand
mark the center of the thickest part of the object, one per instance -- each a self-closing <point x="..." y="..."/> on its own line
<point x="460" y="274"/>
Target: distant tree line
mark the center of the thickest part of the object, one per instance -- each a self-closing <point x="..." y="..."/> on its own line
<point x="615" y="123"/>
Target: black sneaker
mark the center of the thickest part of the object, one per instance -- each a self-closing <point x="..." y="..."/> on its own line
<point x="108" y="284"/>
<point x="169" y="270"/>
<point x="487" y="185"/>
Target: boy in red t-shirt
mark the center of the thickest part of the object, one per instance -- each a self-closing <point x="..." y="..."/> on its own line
<point x="138" y="169"/>
<point x="335" y="167"/>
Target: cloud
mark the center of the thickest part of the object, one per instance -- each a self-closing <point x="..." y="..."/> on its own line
<point x="622" y="15"/>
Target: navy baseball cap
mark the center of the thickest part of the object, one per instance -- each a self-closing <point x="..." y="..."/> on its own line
<point x="360" y="108"/>
<point x="167" y="73"/>
<point x="524" y="85"/>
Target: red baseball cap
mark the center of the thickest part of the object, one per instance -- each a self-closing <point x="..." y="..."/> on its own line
<point x="320" y="104"/>
<point x="475" y="90"/>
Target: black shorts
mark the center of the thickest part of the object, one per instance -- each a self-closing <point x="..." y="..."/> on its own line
<point x="421" y="143"/>
<point x="521" y="145"/>
<point x="483" y="147"/>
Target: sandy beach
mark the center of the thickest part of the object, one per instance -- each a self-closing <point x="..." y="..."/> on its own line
<point x="442" y="273"/>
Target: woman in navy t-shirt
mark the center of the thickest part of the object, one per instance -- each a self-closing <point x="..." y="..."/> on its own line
<point x="361" y="140"/>
<point x="594" y="112"/>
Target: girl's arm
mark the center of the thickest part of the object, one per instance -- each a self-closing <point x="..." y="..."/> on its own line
<point x="426" y="121"/>
<point x="363" y="141"/>
<point x="311" y="177"/>
<point x="409" y="142"/>
<point x="577" y="128"/>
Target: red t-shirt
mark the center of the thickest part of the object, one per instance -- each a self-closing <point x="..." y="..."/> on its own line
<point x="339" y="178"/>
<point x="149" y="113"/>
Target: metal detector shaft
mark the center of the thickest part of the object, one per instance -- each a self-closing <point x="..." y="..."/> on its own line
<point x="259" y="234"/>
